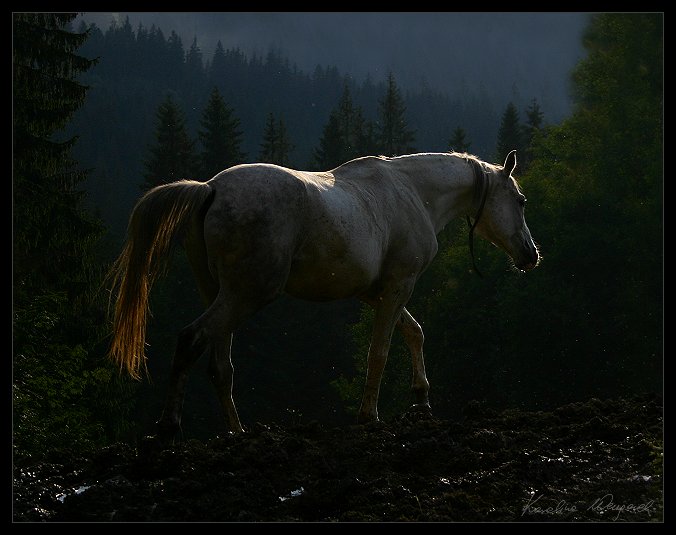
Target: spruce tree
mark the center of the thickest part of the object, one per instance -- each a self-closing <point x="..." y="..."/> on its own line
<point x="49" y="222"/>
<point x="534" y="120"/>
<point x="220" y="137"/>
<point x="284" y="145"/>
<point x="330" y="152"/>
<point x="276" y="145"/>
<point x="194" y="77"/>
<point x="193" y="60"/>
<point x="347" y="134"/>
<point x="267" y="153"/>
<point x="62" y="389"/>
<point x="356" y="132"/>
<point x="218" y="67"/>
<point x="394" y="136"/>
<point x="173" y="155"/>
<point x="457" y="142"/>
<point x="509" y="134"/>
<point x="347" y="124"/>
<point x="175" y="57"/>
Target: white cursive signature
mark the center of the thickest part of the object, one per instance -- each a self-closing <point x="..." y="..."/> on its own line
<point x="532" y="507"/>
<point x="601" y="505"/>
<point x="606" y="503"/>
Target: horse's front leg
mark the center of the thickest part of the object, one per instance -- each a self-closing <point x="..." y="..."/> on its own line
<point x="414" y="338"/>
<point x="388" y="309"/>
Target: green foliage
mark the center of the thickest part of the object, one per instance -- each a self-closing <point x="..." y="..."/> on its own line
<point x="220" y="136"/>
<point x="63" y="393"/>
<point x="599" y="207"/>
<point x="62" y="396"/>
<point x="173" y="155"/>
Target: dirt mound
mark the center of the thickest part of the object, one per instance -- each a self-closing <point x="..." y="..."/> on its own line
<point x="591" y="461"/>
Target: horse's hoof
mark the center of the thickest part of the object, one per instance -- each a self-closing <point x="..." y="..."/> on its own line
<point x="418" y="411"/>
<point x="420" y="408"/>
<point x="367" y="419"/>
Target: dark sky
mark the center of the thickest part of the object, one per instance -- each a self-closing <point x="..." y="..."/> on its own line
<point x="508" y="53"/>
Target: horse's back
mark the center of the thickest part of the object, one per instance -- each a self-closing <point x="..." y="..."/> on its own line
<point x="330" y="233"/>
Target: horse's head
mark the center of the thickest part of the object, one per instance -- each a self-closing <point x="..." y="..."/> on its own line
<point x="503" y="222"/>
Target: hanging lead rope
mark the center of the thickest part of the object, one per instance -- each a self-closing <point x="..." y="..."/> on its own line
<point x="480" y="185"/>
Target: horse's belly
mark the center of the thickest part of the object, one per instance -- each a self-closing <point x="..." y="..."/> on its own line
<point x="322" y="277"/>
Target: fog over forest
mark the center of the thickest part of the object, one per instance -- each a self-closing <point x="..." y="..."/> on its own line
<point x="513" y="56"/>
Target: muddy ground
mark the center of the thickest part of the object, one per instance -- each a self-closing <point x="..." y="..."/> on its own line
<point x="592" y="461"/>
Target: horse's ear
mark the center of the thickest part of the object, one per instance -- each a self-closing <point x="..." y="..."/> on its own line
<point x="510" y="163"/>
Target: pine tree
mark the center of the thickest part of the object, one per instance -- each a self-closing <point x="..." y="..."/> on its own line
<point x="193" y="60"/>
<point x="347" y="135"/>
<point x="330" y="152"/>
<point x="276" y="145"/>
<point x="356" y="132"/>
<point x="267" y="153"/>
<point x="173" y="156"/>
<point x="59" y="388"/>
<point x="220" y="137"/>
<point x="457" y="143"/>
<point x="49" y="222"/>
<point x="509" y="134"/>
<point x="218" y="69"/>
<point x="284" y="145"/>
<point x="346" y="124"/>
<point x="195" y="76"/>
<point x="394" y="137"/>
<point x="534" y="120"/>
<point x="175" y="56"/>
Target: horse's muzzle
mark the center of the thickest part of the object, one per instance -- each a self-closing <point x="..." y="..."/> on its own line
<point x="531" y="263"/>
<point x="531" y="260"/>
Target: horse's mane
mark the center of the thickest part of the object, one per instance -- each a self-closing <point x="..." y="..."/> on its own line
<point x="493" y="167"/>
<point x="464" y="155"/>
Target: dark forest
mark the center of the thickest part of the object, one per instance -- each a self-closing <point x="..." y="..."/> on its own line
<point x="102" y="115"/>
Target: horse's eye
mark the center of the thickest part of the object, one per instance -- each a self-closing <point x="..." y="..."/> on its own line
<point x="522" y="201"/>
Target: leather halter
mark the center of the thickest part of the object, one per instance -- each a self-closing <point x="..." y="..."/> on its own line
<point x="480" y="192"/>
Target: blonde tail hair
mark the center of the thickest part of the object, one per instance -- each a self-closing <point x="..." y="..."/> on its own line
<point x="157" y="218"/>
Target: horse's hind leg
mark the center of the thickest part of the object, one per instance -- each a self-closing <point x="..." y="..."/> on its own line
<point x="414" y="338"/>
<point x="202" y="334"/>
<point x="192" y="342"/>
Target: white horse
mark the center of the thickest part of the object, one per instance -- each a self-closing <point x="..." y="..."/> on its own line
<point x="365" y="229"/>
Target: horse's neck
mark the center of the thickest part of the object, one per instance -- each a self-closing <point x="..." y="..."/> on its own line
<point x="445" y="183"/>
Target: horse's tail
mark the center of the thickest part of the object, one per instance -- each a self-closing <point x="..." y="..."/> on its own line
<point x="158" y="217"/>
